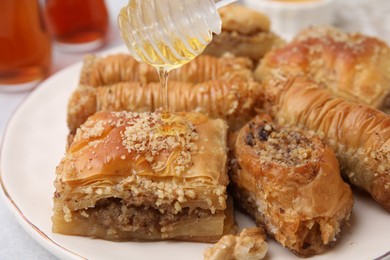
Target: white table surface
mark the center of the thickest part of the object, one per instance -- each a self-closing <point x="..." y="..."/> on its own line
<point x="367" y="16"/>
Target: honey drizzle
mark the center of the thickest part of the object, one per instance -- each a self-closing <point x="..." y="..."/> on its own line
<point x="150" y="38"/>
<point x="167" y="49"/>
<point x="163" y="74"/>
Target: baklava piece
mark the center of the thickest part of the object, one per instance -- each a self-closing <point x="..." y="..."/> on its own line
<point x="232" y="99"/>
<point x="290" y="182"/>
<point x="116" y="68"/>
<point x="245" y="32"/>
<point x="136" y="176"/>
<point x="352" y="66"/>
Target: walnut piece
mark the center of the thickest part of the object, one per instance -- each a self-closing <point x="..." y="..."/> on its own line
<point x="249" y="245"/>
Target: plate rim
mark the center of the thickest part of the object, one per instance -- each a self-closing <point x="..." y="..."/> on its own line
<point x="31" y="229"/>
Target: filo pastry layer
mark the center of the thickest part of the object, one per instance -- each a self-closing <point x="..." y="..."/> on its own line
<point x="129" y="176"/>
<point x="290" y="182"/>
<point x="359" y="134"/>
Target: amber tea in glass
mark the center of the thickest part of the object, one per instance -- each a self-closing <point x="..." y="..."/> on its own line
<point x="77" y="25"/>
<point x="25" y="46"/>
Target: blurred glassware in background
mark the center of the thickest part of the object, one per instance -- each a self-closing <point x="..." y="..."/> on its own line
<point x="25" y="45"/>
<point x="288" y="17"/>
<point x="77" y="25"/>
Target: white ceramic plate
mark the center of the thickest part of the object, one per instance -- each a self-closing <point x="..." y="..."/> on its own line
<point x="33" y="145"/>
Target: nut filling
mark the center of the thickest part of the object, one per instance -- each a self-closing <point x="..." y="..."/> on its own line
<point x="115" y="215"/>
<point x="279" y="145"/>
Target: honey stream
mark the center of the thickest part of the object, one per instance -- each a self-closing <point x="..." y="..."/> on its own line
<point x="163" y="74"/>
<point x="167" y="34"/>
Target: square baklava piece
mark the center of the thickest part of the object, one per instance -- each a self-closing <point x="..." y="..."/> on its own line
<point x="138" y="176"/>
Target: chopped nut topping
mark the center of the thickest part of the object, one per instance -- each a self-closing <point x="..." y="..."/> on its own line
<point x="95" y="129"/>
<point x="148" y="134"/>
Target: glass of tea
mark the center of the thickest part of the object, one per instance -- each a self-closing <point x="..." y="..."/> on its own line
<point x="77" y="25"/>
<point x="25" y="45"/>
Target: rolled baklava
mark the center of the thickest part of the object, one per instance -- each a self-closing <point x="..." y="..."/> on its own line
<point x="290" y="182"/>
<point x="138" y="176"/>
<point x="232" y="99"/>
<point x="359" y="134"/>
<point x="116" y="68"/>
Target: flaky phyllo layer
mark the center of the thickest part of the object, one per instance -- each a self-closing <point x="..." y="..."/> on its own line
<point x="138" y="176"/>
